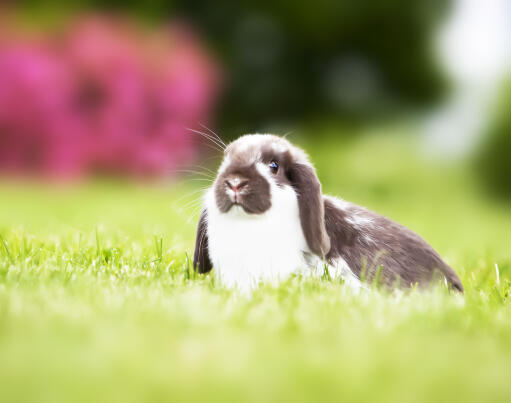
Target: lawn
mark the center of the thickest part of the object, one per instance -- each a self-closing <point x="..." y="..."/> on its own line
<point x="98" y="301"/>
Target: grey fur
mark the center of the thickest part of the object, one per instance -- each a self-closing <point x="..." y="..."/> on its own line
<point x="379" y="245"/>
<point x="311" y="207"/>
<point x="201" y="259"/>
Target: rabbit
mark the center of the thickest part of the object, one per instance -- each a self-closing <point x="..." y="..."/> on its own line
<point x="265" y="218"/>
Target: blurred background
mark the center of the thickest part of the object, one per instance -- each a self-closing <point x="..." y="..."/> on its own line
<point x="401" y="103"/>
<point x="404" y="106"/>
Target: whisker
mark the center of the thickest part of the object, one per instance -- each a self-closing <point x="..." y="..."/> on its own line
<point x="209" y="137"/>
<point x="214" y="134"/>
<point x="195" y="201"/>
<point x="192" y="167"/>
<point x="200" y="180"/>
<point x="189" y="194"/>
<point x="191" y="171"/>
<point x="191" y="203"/>
<point x="212" y="157"/>
<point x="214" y="146"/>
<point x="214" y="137"/>
<point x="207" y="169"/>
<point x="217" y="148"/>
<point x="193" y="214"/>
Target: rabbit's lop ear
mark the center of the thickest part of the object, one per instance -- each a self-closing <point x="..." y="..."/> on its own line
<point x="201" y="260"/>
<point x="310" y="204"/>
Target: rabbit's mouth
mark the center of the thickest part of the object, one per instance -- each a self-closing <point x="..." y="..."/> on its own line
<point x="239" y="203"/>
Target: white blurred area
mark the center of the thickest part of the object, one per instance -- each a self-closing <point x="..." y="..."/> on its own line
<point x="475" y="48"/>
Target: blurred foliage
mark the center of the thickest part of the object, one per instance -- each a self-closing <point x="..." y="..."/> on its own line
<point x="103" y="96"/>
<point x="493" y="163"/>
<point x="292" y="60"/>
<point x="328" y="58"/>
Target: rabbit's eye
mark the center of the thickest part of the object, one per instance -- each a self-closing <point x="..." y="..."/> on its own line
<point x="274" y="166"/>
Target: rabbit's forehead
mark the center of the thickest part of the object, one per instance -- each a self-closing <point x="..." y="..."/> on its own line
<point x="254" y="148"/>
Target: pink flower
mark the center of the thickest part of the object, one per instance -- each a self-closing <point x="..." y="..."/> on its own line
<point x="35" y="124"/>
<point x="107" y="97"/>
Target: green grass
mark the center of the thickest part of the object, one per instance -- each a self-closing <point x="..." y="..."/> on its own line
<point x="98" y="301"/>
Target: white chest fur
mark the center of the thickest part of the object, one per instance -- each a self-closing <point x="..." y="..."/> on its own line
<point x="247" y="249"/>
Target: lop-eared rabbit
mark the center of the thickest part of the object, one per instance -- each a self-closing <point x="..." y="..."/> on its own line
<point x="265" y="218"/>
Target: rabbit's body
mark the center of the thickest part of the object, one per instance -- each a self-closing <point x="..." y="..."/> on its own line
<point x="265" y="218"/>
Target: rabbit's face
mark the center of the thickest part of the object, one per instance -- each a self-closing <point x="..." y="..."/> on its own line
<point x="253" y="175"/>
<point x="267" y="177"/>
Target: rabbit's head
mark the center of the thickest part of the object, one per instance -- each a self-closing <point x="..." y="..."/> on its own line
<point x="263" y="172"/>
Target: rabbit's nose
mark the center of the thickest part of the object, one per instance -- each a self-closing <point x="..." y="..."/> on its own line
<point x="236" y="184"/>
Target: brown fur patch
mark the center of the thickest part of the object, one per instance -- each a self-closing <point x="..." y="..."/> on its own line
<point x="255" y="196"/>
<point x="310" y="204"/>
<point x="401" y="257"/>
<point x="201" y="260"/>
